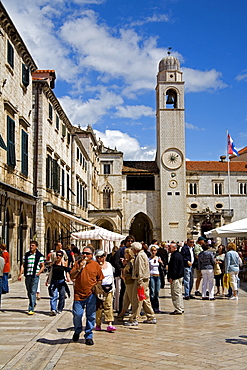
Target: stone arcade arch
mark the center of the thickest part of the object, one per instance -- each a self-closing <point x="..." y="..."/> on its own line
<point x="141" y="228"/>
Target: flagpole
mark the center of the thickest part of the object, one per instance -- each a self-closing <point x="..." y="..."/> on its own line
<point x="228" y="170"/>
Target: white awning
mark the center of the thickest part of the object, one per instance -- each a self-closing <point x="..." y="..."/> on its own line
<point x="235" y="229"/>
<point x="76" y="219"/>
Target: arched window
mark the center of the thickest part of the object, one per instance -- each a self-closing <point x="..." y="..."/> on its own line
<point x="171" y="99"/>
<point x="106" y="197"/>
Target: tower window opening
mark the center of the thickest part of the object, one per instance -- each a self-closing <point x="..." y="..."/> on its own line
<point x="171" y="99"/>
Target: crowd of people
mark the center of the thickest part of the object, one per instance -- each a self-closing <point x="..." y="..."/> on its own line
<point x="127" y="280"/>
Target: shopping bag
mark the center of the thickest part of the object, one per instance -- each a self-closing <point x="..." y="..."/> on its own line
<point x="226" y="281"/>
<point x="141" y="293"/>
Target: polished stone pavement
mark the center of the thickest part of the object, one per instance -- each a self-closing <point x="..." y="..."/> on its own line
<point x="210" y="335"/>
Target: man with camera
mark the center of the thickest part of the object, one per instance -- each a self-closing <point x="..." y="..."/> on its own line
<point x="86" y="273"/>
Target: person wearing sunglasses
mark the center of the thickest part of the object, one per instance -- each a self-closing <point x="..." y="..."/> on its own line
<point x="86" y="273"/>
<point x="57" y="284"/>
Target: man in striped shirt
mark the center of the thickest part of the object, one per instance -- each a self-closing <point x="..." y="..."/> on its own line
<point x="33" y="265"/>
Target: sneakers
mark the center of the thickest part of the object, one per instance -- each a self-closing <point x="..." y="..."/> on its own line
<point x="187" y="298"/>
<point x="150" y="321"/>
<point x="30" y="313"/>
<point x="98" y="328"/>
<point x="75" y="337"/>
<point x="59" y="312"/>
<point x="130" y="323"/>
<point x="176" y="313"/>
<point x="233" y="298"/>
<point x="89" y="342"/>
<point x="53" y="313"/>
<point x="111" y="328"/>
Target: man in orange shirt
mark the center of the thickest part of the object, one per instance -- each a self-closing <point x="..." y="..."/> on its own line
<point x="86" y="273"/>
<point x="6" y="269"/>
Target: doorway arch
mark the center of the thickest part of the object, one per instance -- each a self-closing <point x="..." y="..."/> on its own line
<point x="140" y="228"/>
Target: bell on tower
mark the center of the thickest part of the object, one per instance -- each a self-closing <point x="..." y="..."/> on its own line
<point x="171" y="98"/>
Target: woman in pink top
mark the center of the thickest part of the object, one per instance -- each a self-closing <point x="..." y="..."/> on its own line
<point x="6" y="269"/>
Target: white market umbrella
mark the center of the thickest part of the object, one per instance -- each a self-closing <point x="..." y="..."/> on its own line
<point x="235" y="229"/>
<point x="98" y="234"/>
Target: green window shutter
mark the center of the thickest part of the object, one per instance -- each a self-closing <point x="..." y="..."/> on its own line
<point x="49" y="172"/>
<point x="24" y="153"/>
<point x="10" y="54"/>
<point x="57" y="122"/>
<point x="25" y="75"/>
<point x="68" y="185"/>
<point x="50" y="112"/>
<point x="63" y="130"/>
<point x="11" y="142"/>
<point x="63" y="183"/>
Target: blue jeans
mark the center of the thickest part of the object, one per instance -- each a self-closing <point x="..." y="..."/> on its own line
<point x="1" y="285"/>
<point x="78" y="310"/>
<point x="188" y="280"/>
<point x="57" y="294"/>
<point x="31" y="286"/>
<point x="5" y="282"/>
<point x="154" y="286"/>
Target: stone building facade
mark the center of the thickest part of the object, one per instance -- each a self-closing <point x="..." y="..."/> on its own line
<point x="56" y="178"/>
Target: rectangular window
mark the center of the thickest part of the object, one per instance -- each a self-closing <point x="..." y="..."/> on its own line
<point x="56" y="176"/>
<point x="25" y="75"/>
<point x="10" y="54"/>
<point x="140" y="183"/>
<point x="68" y="184"/>
<point x="77" y="192"/>
<point x="77" y="154"/>
<point x="193" y="188"/>
<point x="57" y="122"/>
<point x="242" y="186"/>
<point x="49" y="172"/>
<point x="68" y="138"/>
<point x="50" y="112"/>
<point x="11" y="142"/>
<point x="85" y="203"/>
<point x="80" y="158"/>
<point x="218" y="188"/>
<point x="63" y="183"/>
<point x="107" y="169"/>
<point x="63" y="130"/>
<point x="24" y="153"/>
<point x="81" y="195"/>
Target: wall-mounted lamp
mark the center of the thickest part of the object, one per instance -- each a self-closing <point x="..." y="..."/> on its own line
<point x="49" y="207"/>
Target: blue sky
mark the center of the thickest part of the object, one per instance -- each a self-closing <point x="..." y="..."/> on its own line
<point x="106" y="55"/>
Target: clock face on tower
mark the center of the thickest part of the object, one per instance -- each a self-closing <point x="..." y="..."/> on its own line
<point x="172" y="158"/>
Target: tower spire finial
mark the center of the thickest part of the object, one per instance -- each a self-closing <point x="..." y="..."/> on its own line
<point x="169" y="50"/>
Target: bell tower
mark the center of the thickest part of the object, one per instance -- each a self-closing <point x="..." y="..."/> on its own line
<point x="171" y="149"/>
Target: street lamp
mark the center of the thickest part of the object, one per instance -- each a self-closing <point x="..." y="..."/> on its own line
<point x="49" y="207"/>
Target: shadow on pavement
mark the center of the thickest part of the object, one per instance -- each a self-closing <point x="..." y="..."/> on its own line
<point x="237" y="340"/>
<point x="53" y="342"/>
<point x="71" y="328"/>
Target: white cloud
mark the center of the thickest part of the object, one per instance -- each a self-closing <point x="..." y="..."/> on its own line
<point x="126" y="144"/>
<point x="242" y="76"/>
<point x="134" y="111"/>
<point x="189" y="126"/>
<point x="197" y="81"/>
<point x="154" y="19"/>
<point x="90" y="112"/>
<point x="122" y="54"/>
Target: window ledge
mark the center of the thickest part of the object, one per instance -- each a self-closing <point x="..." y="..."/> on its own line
<point x="10" y="69"/>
